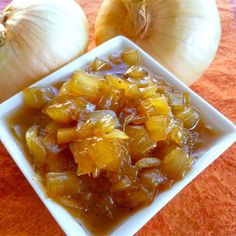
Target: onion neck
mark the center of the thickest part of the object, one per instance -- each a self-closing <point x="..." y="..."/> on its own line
<point x="3" y="18"/>
<point x="138" y="17"/>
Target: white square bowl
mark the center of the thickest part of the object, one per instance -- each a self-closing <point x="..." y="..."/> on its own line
<point x="132" y="224"/>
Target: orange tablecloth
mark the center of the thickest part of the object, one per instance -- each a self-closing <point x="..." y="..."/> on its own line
<point x="206" y="207"/>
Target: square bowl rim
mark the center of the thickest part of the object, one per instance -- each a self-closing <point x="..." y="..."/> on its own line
<point x="5" y="108"/>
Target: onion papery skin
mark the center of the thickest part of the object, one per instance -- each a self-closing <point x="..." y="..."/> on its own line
<point x="41" y="36"/>
<point x="183" y="35"/>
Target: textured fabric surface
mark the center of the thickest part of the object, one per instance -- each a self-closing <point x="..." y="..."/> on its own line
<point x="207" y="206"/>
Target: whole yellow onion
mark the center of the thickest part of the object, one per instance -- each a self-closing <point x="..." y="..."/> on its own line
<point x="36" y="38"/>
<point x="182" y="34"/>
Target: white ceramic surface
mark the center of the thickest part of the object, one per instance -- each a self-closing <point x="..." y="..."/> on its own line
<point x="132" y="224"/>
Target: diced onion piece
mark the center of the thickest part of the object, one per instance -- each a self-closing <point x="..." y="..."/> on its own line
<point x="176" y="101"/>
<point x="133" y="95"/>
<point x="59" y="111"/>
<point x="37" y="97"/>
<point x="117" y="82"/>
<point x="189" y="117"/>
<point x="149" y="91"/>
<point x="82" y="84"/>
<point x="116" y="134"/>
<point x="99" y="64"/>
<point x="187" y="99"/>
<point x="148" y="162"/>
<point x="100" y="114"/>
<point x="66" y="135"/>
<point x="146" y="109"/>
<point x="66" y="109"/>
<point x="135" y="72"/>
<point x="161" y="105"/>
<point x="104" y="121"/>
<point x="177" y="133"/>
<point x="162" y="86"/>
<point x="68" y="201"/>
<point x="36" y="148"/>
<point x="86" y="129"/>
<point x="111" y="99"/>
<point x="130" y="57"/>
<point x="81" y="156"/>
<point x="106" y="154"/>
<point x="86" y="84"/>
<point x="139" y="142"/>
<point x="68" y="88"/>
<point x="151" y="178"/>
<point x="121" y="185"/>
<point x="144" y="82"/>
<point x="176" y="164"/>
<point x="62" y="183"/>
<point x="98" y="123"/>
<point x="157" y="127"/>
<point x="115" y="58"/>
